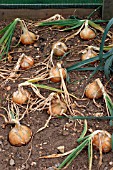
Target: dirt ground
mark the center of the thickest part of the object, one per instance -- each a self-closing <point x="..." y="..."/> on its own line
<point x="60" y="132"/>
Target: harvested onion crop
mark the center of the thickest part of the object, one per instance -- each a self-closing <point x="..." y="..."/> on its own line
<point x="20" y="135"/>
<point x="27" y="62"/>
<point x="55" y="74"/>
<point x="20" y="96"/>
<point x="57" y="107"/>
<point x="102" y="140"/>
<point x="59" y="48"/>
<point x="87" y="33"/>
<point x="93" y="91"/>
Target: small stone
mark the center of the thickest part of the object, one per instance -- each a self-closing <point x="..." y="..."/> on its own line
<point x="50" y="168"/>
<point x="35" y="45"/>
<point x="110" y="163"/>
<point x="61" y="149"/>
<point x="11" y="162"/>
<point x="33" y="163"/>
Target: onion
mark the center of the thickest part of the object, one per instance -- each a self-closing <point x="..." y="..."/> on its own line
<point x="59" y="48"/>
<point x="93" y="91"/>
<point x="90" y="53"/>
<point x="87" y="33"/>
<point x="55" y="74"/>
<point x="20" y="96"/>
<point x="102" y="139"/>
<point x="27" y="62"/>
<point x="27" y="37"/>
<point x="57" y="107"/>
<point x="20" y="135"/>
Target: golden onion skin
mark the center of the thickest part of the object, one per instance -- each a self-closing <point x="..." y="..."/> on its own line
<point x="57" y="108"/>
<point x="27" y="62"/>
<point x="59" y="48"/>
<point x="20" y="135"/>
<point x="93" y="91"/>
<point x="55" y="74"/>
<point x="104" y="139"/>
<point x="28" y="38"/>
<point x="20" y="96"/>
<point x="87" y="34"/>
<point x="89" y="54"/>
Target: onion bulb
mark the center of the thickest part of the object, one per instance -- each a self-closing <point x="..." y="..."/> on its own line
<point x="55" y="74"/>
<point x="93" y="91"/>
<point x="27" y="62"/>
<point x="20" y="135"/>
<point x="27" y="37"/>
<point x="102" y="140"/>
<point x="57" y="107"/>
<point x="87" y="33"/>
<point x="59" y="48"/>
<point x="90" y="53"/>
<point x="20" y="96"/>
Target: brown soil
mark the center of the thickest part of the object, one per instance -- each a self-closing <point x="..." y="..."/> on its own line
<point x="60" y="132"/>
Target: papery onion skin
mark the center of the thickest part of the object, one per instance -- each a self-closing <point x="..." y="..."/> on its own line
<point x="55" y="74"/>
<point x="59" y="49"/>
<point x="20" y="135"/>
<point x="105" y="140"/>
<point x="87" y="34"/>
<point x="28" y="38"/>
<point x="57" y="108"/>
<point x="89" y="54"/>
<point x="93" y="91"/>
<point x="20" y="96"/>
<point x="27" y="62"/>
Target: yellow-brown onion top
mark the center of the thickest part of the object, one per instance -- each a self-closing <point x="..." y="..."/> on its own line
<point x="57" y="107"/>
<point x="59" y="48"/>
<point x="102" y="139"/>
<point x="27" y="62"/>
<point x="20" y="96"/>
<point x="89" y="54"/>
<point x="55" y="74"/>
<point x="20" y="135"/>
<point x="28" y="38"/>
<point x="87" y="34"/>
<point x="93" y="91"/>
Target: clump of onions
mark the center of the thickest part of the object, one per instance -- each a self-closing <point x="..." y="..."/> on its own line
<point x="55" y="74"/>
<point x="57" y="107"/>
<point x="20" y="135"/>
<point x="90" y="53"/>
<point x="27" y="37"/>
<point x="102" y="140"/>
<point x="93" y="91"/>
<point x="59" y="48"/>
<point x="87" y="33"/>
<point x="27" y="62"/>
<point x="20" y="96"/>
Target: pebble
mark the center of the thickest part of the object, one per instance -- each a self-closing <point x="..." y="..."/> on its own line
<point x="11" y="162"/>
<point x="110" y="163"/>
<point x="50" y="168"/>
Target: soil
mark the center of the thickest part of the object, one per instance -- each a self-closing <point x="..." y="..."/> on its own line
<point x="60" y="131"/>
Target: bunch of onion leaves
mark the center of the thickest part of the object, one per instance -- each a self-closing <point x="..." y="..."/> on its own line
<point x="73" y="23"/>
<point x="6" y="34"/>
<point x="105" y="59"/>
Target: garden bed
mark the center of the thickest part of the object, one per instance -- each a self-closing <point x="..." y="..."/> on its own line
<point x="60" y="131"/>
